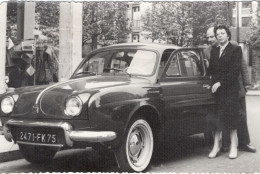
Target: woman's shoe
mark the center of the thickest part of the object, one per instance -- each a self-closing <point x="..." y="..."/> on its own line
<point x="233" y="153"/>
<point x="214" y="153"/>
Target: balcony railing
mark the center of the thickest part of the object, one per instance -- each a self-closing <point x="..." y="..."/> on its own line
<point x="136" y="23"/>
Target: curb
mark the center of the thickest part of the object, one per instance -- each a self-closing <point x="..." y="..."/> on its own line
<point x="253" y="93"/>
<point x="10" y="156"/>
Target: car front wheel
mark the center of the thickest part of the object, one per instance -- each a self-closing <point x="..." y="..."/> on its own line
<point x="136" y="151"/>
<point x="37" y="154"/>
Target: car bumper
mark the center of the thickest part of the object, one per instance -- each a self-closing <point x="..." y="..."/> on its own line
<point x="69" y="134"/>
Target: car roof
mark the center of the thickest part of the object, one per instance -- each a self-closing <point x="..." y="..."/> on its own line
<point x="153" y="46"/>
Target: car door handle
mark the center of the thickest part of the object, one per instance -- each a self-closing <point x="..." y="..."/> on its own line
<point x="206" y="86"/>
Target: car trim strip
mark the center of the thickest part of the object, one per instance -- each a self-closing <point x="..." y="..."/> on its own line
<point x="40" y="144"/>
<point x="53" y="86"/>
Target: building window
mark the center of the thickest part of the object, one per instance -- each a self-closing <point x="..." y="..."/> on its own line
<point x="136" y="23"/>
<point x="135" y="37"/>
<point x="136" y="16"/>
<point x="136" y="9"/>
<point x="234" y="6"/>
<point x="246" y="21"/>
<point x="234" y="22"/>
<point x="246" y="4"/>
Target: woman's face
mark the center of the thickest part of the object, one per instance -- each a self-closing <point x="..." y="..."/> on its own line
<point x="222" y="36"/>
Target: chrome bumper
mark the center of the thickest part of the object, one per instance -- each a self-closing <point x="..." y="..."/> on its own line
<point x="70" y="135"/>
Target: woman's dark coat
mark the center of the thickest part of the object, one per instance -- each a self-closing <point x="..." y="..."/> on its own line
<point x="226" y="70"/>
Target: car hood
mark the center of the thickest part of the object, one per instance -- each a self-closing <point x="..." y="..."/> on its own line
<point x="50" y="99"/>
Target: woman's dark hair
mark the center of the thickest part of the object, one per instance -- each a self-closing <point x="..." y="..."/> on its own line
<point x="222" y="27"/>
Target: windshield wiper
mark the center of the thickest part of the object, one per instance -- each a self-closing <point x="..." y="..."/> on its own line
<point x="116" y="69"/>
<point x="86" y="72"/>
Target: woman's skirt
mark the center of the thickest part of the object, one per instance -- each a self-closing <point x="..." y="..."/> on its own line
<point x="227" y="109"/>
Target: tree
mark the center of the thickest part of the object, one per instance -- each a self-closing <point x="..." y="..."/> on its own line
<point x="12" y="20"/>
<point x="253" y="38"/>
<point x="167" y="21"/>
<point x="184" y="22"/>
<point x="47" y="19"/>
<point x="104" y="23"/>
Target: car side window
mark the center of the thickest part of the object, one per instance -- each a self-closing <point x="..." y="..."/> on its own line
<point x="173" y="69"/>
<point x="190" y="63"/>
<point x="165" y="57"/>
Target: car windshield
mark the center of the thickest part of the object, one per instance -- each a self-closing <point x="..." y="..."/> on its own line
<point x="134" y="62"/>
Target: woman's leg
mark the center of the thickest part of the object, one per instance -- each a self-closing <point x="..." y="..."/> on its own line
<point x="233" y="145"/>
<point x="217" y="145"/>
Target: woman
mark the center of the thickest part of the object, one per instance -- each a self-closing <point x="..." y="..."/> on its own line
<point x="224" y="69"/>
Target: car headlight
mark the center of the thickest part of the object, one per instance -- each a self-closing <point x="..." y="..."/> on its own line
<point x="73" y="106"/>
<point x="7" y="104"/>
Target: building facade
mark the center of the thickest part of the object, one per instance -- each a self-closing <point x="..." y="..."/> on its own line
<point x="134" y="13"/>
<point x="244" y="13"/>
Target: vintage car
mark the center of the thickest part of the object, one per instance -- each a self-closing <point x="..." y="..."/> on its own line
<point x="124" y="98"/>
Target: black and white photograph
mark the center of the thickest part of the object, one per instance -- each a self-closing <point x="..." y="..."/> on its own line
<point x="129" y="86"/>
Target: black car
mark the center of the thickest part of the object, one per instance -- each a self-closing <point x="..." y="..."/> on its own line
<point x="123" y="98"/>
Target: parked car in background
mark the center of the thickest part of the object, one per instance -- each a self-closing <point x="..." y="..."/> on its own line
<point x="124" y="98"/>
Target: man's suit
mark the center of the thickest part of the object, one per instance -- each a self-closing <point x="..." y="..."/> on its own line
<point x="243" y="133"/>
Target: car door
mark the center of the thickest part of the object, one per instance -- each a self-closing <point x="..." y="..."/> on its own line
<point x="186" y="92"/>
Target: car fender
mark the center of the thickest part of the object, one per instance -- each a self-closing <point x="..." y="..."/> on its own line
<point x="137" y="110"/>
<point x="106" y="113"/>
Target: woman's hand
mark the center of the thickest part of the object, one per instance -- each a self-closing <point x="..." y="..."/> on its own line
<point x="215" y="87"/>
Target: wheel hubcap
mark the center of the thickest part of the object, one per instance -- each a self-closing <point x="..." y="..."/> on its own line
<point x="135" y="145"/>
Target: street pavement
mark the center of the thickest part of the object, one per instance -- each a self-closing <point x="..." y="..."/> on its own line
<point x="8" y="150"/>
<point x="190" y="151"/>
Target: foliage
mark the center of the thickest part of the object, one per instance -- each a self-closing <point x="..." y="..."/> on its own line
<point x="48" y="12"/>
<point x="11" y="20"/>
<point x="47" y="20"/>
<point x="166" y="21"/>
<point x="183" y="22"/>
<point x="253" y="35"/>
<point x="253" y="38"/>
<point x="104" y="22"/>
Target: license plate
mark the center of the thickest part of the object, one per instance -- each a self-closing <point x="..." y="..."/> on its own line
<point x="33" y="137"/>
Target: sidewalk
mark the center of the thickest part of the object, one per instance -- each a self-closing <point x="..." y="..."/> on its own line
<point x="253" y="92"/>
<point x="8" y="150"/>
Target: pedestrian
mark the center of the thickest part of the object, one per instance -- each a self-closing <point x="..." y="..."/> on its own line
<point x="224" y="69"/>
<point x="244" y="82"/>
<point x="12" y="68"/>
